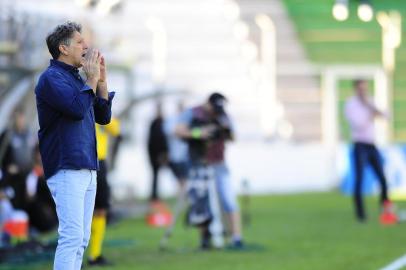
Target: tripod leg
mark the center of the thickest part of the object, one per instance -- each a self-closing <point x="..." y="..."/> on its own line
<point x="179" y="207"/>
<point x="216" y="225"/>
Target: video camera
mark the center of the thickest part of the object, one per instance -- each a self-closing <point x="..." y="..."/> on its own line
<point x="222" y="129"/>
<point x="220" y="124"/>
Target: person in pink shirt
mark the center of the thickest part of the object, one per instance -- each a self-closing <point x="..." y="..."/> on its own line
<point x="360" y="113"/>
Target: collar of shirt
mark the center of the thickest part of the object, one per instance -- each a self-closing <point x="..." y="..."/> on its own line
<point x="65" y="66"/>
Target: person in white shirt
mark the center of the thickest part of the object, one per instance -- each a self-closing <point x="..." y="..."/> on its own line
<point x="360" y="113"/>
<point x="178" y="151"/>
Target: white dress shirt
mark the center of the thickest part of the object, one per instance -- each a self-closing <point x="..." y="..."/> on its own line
<point x="178" y="149"/>
<point x="361" y="120"/>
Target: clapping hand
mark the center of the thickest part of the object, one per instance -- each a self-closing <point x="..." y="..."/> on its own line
<point x="103" y="71"/>
<point x="91" y="67"/>
<point x="102" y="83"/>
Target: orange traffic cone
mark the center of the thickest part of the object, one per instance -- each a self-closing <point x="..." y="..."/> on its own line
<point x="17" y="226"/>
<point x="158" y="215"/>
<point x="388" y="215"/>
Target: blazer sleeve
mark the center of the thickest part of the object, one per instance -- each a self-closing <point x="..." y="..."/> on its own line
<point x="102" y="109"/>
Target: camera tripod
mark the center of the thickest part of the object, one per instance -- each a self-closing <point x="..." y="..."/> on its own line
<point x="201" y="177"/>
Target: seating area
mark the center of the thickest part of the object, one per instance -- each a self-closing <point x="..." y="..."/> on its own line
<point x="21" y="55"/>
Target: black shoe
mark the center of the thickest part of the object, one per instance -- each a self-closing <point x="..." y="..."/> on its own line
<point x="236" y="245"/>
<point x="99" y="261"/>
<point x="361" y="219"/>
<point x="205" y="241"/>
<point x="205" y="246"/>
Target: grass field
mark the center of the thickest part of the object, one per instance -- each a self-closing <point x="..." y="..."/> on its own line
<point x="304" y="231"/>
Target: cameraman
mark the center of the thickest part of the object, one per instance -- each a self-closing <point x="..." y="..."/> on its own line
<point x="206" y="128"/>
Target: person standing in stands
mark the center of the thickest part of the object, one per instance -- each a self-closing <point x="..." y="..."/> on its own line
<point x="157" y="150"/>
<point x="68" y="107"/>
<point x="361" y="113"/>
<point x="16" y="147"/>
<point x="102" y="203"/>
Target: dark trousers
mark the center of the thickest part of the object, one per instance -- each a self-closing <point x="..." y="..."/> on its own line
<point x="17" y="182"/>
<point x="154" y="188"/>
<point x="364" y="154"/>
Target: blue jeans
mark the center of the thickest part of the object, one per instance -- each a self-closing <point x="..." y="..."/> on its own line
<point x="225" y="189"/>
<point x="74" y="194"/>
<point x="365" y="153"/>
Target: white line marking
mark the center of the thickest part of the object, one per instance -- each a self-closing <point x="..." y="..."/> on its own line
<point x="397" y="264"/>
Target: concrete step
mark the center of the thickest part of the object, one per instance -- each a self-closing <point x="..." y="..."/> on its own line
<point x="216" y="67"/>
<point x="306" y="132"/>
<point x="297" y="68"/>
<point x="297" y="83"/>
<point x="256" y="6"/>
<point x="309" y="135"/>
<point x="298" y="111"/>
<point x="295" y="97"/>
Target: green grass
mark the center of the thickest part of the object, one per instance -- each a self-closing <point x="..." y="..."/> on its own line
<point x="328" y="41"/>
<point x="304" y="231"/>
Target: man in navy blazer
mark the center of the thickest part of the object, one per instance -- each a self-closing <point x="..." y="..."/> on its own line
<point x="68" y="107"/>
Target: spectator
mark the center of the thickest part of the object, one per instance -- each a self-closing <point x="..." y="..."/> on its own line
<point x="360" y="113"/>
<point x="157" y="150"/>
<point x="102" y="203"/>
<point x="18" y="143"/>
<point x="207" y="128"/>
<point x="177" y="149"/>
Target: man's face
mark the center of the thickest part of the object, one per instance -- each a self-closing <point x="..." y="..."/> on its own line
<point x="362" y="89"/>
<point x="76" y="50"/>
